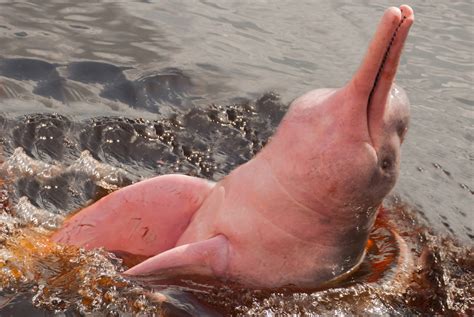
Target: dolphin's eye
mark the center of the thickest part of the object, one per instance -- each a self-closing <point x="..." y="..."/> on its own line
<point x="387" y="160"/>
<point x="386" y="163"/>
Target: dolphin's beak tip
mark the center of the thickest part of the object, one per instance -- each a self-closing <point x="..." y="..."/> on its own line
<point x="406" y="9"/>
<point x="407" y="12"/>
<point x="404" y="12"/>
<point x="393" y="13"/>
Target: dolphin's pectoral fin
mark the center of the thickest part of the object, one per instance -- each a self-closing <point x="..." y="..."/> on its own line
<point x="142" y="219"/>
<point x="208" y="257"/>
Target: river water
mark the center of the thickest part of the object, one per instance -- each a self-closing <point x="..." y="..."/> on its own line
<point x="75" y="76"/>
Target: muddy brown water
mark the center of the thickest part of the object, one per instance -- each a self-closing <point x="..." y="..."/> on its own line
<point x="97" y="95"/>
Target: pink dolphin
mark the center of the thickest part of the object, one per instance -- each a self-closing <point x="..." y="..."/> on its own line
<point x="299" y="213"/>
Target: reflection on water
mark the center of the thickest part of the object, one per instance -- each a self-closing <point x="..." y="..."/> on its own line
<point x="94" y="96"/>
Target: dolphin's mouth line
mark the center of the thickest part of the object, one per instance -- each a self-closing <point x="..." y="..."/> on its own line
<point x="382" y="64"/>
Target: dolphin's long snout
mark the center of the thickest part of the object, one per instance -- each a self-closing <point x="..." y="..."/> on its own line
<point x="384" y="50"/>
<point x="374" y="78"/>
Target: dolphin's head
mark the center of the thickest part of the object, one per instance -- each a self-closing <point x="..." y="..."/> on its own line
<point x="341" y="147"/>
